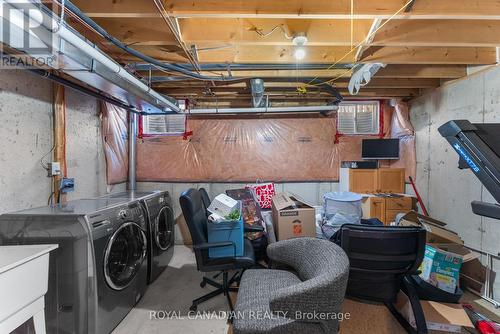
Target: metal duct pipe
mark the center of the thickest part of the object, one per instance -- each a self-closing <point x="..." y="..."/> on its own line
<point x="58" y="30"/>
<point x="322" y="109"/>
<point x="84" y="90"/>
<point x="257" y="88"/>
<point x="132" y="150"/>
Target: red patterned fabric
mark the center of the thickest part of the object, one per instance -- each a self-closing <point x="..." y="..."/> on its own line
<point x="264" y="192"/>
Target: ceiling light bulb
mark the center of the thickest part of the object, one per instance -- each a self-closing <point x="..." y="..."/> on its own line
<point x="299" y="39"/>
<point x="299" y="53"/>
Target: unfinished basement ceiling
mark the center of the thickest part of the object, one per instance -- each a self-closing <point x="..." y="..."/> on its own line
<point x="423" y="44"/>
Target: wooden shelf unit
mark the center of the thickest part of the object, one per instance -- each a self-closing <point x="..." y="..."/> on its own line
<point x="380" y="180"/>
<point x="386" y="208"/>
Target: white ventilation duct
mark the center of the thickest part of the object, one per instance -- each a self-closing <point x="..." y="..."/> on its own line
<point x="362" y="75"/>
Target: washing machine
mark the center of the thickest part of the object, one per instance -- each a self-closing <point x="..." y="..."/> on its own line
<point x="157" y="206"/>
<point x="99" y="271"/>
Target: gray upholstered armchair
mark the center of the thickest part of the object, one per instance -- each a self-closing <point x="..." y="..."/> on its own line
<point x="305" y="299"/>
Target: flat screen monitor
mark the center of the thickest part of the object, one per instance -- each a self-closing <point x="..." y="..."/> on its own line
<point x="380" y="149"/>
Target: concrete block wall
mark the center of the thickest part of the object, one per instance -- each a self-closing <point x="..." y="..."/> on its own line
<point x="26" y="135"/>
<point x="448" y="191"/>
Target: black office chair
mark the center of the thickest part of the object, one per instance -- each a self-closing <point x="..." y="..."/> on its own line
<point x="382" y="259"/>
<point x="205" y="199"/>
<point x="194" y="211"/>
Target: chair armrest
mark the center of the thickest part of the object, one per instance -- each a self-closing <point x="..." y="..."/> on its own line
<point x="252" y="228"/>
<point x="208" y="245"/>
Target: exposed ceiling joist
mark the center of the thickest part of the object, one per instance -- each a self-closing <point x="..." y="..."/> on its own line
<point x="391" y="71"/>
<point x="430" y="55"/>
<point x="325" y="55"/>
<point x="431" y="42"/>
<point x="228" y="32"/>
<point x="322" y="9"/>
<point x="439" y="33"/>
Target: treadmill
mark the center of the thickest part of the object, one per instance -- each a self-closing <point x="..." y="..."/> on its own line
<point x="478" y="148"/>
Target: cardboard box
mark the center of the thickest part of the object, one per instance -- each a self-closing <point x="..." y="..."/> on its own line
<point x="441" y="268"/>
<point x="473" y="276"/>
<point x="436" y="233"/>
<point x="292" y="217"/>
<point x="438" y="316"/>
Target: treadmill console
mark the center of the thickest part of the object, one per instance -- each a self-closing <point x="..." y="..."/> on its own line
<point x="478" y="148"/>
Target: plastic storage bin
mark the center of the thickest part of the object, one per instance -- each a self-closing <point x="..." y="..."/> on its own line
<point x="230" y="230"/>
<point x="343" y="202"/>
<point x="340" y="207"/>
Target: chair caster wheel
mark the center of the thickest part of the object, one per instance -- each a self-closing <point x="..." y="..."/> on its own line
<point x="203" y="284"/>
<point x="193" y="308"/>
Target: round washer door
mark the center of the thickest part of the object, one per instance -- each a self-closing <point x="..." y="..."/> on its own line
<point x="164" y="224"/>
<point x="125" y="252"/>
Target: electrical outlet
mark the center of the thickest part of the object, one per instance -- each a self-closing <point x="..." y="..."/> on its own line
<point x="53" y="169"/>
<point x="67" y="185"/>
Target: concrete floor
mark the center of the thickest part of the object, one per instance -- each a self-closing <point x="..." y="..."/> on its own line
<point x="165" y="306"/>
<point x="173" y="292"/>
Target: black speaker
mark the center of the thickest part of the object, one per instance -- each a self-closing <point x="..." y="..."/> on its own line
<point x="370" y="164"/>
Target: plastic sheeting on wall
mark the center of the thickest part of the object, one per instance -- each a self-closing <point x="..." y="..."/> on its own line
<point x="284" y="149"/>
<point x="246" y="150"/>
<point x="402" y="128"/>
<point x="114" y="130"/>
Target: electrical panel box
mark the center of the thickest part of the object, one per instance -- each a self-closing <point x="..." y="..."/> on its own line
<point x="53" y="169"/>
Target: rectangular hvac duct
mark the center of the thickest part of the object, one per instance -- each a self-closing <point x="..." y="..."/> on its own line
<point x="75" y="56"/>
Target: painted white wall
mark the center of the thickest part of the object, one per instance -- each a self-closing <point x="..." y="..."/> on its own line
<point x="26" y="135"/>
<point x="446" y="190"/>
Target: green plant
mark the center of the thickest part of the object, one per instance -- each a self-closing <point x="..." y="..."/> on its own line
<point x="233" y="215"/>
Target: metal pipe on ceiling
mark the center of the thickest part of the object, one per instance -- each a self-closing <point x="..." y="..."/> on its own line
<point x="251" y="110"/>
<point x="132" y="150"/>
<point x="247" y="67"/>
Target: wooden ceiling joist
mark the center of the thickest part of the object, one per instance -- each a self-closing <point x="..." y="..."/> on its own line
<point x="428" y="43"/>
<point x="327" y="55"/>
<point x="430" y="55"/>
<point x="440" y="33"/>
<point x="296" y="9"/>
<point x="391" y="71"/>
<point x="228" y="32"/>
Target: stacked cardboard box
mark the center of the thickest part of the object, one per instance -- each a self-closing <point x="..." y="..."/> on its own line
<point x="292" y="217"/>
<point x="445" y="262"/>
